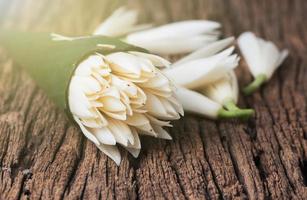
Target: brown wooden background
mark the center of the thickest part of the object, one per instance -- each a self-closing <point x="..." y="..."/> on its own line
<point x="42" y="156"/>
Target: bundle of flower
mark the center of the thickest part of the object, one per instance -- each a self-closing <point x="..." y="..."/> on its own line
<point x="115" y="91"/>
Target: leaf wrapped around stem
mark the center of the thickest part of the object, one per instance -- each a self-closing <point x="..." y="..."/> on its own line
<point x="51" y="59"/>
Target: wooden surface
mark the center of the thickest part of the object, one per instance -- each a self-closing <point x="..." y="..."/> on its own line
<point x="42" y="156"/>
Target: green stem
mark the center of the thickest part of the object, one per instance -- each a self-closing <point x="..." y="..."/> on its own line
<point x="230" y="105"/>
<point x="233" y="111"/>
<point x="253" y="86"/>
<point x="238" y="113"/>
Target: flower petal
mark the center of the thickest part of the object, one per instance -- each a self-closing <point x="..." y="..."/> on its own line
<point x="197" y="73"/>
<point x="121" y="132"/>
<point x="181" y="29"/>
<point x="111" y="151"/>
<point x="206" y="51"/>
<point x="104" y="136"/>
<point x="121" y="22"/>
<point x="196" y="103"/>
<point x="156" y="60"/>
<point x="86" y="132"/>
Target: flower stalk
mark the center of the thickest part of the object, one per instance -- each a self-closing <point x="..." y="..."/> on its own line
<point x="255" y="85"/>
<point x="235" y="112"/>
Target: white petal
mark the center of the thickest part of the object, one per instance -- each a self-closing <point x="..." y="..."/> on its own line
<point x="134" y="152"/>
<point x="86" y="132"/>
<point x="129" y="88"/>
<point x="111" y="104"/>
<point x="197" y="73"/>
<point x="162" y="133"/>
<point x="121" y="132"/>
<point x="137" y="142"/>
<point x="104" y="136"/>
<point x="177" y="105"/>
<point x="262" y="57"/>
<point x="155" y="106"/>
<point x="197" y="103"/>
<point x="118" y="23"/>
<point x="121" y="22"/>
<point x="158" y="122"/>
<point x="141" y="122"/>
<point x="87" y="84"/>
<point x="78" y="103"/>
<point x="250" y="49"/>
<point x="136" y="148"/>
<point x="223" y="90"/>
<point x="124" y="63"/>
<point x="282" y="57"/>
<point x="85" y="67"/>
<point x="92" y="123"/>
<point x="111" y="151"/>
<point x="156" y="60"/>
<point x="206" y="51"/>
<point x="137" y="120"/>
<point x="174" y="45"/>
<point x="181" y="29"/>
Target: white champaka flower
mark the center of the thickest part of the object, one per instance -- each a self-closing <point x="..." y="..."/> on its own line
<point x="195" y="102"/>
<point x="173" y="38"/>
<point x="177" y="37"/>
<point x="262" y="58"/>
<point x="120" y="23"/>
<point x="212" y="79"/>
<point x="224" y="90"/>
<point x="195" y="74"/>
<point x="116" y="97"/>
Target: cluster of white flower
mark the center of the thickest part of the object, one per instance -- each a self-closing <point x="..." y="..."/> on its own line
<point x="116" y="97"/>
<point x="122" y="95"/>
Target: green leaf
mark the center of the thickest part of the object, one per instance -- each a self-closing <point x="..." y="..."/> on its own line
<point x="52" y="63"/>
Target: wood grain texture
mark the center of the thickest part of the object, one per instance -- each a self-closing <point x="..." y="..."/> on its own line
<point x="43" y="156"/>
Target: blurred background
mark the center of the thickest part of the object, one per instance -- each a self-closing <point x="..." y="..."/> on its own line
<point x="77" y="17"/>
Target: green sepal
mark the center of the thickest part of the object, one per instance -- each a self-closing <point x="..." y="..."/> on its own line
<point x="51" y="63"/>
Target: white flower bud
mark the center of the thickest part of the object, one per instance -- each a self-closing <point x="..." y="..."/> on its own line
<point x="116" y="97"/>
<point x="262" y="57"/>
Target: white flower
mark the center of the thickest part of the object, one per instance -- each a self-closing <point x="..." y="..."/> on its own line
<point x="121" y="22"/>
<point x="197" y="103"/>
<point x="194" y="74"/>
<point x="224" y="90"/>
<point x="173" y="38"/>
<point x="262" y="57"/>
<point x="206" y="51"/>
<point x="217" y="84"/>
<point x="116" y="97"/>
<point x="177" y="37"/>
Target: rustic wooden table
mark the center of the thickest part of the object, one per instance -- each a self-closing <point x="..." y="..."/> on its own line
<point x="42" y="156"/>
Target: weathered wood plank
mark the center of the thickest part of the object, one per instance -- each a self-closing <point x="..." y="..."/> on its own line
<point x="43" y="156"/>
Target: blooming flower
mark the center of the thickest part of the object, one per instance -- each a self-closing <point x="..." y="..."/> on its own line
<point x="194" y="74"/>
<point x="224" y="90"/>
<point x="262" y="57"/>
<point x="116" y="97"/>
<point x="217" y="83"/>
<point x="173" y="38"/>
